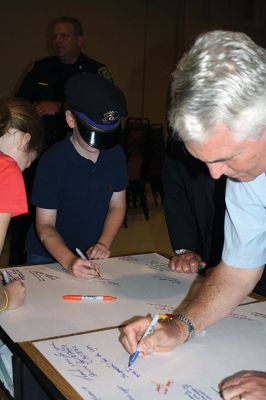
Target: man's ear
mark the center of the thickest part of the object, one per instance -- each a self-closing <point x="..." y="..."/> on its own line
<point x="70" y="119"/>
<point x="22" y="140"/>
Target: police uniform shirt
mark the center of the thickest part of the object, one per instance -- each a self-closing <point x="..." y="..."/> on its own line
<point x="46" y="81"/>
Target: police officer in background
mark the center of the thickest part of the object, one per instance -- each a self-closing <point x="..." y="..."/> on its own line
<point x="44" y="83"/>
<point x="44" y="87"/>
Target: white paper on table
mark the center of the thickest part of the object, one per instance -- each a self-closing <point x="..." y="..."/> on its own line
<point x="255" y="311"/>
<point x="95" y="364"/>
<point x="142" y="284"/>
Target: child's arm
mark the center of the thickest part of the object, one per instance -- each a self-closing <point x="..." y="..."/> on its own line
<point x="55" y="245"/>
<point x="113" y="221"/>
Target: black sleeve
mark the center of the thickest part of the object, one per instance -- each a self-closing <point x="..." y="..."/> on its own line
<point x="26" y="88"/>
<point x="180" y="219"/>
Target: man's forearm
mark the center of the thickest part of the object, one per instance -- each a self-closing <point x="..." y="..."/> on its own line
<point x="221" y="291"/>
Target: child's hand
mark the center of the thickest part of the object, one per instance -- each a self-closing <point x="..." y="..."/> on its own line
<point x="16" y="293"/>
<point x="98" y="250"/>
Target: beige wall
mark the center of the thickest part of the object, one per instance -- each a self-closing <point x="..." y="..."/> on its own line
<point x="139" y="40"/>
<point x="134" y="38"/>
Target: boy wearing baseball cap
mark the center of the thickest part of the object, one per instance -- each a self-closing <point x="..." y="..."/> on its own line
<point x="80" y="184"/>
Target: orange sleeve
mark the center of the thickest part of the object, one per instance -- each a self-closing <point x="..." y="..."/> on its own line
<point x="13" y="197"/>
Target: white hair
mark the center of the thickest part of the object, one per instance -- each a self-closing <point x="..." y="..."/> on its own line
<point x="221" y="79"/>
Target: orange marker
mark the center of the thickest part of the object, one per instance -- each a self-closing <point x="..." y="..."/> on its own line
<point x="87" y="297"/>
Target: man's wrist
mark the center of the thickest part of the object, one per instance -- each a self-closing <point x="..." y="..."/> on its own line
<point x="191" y="331"/>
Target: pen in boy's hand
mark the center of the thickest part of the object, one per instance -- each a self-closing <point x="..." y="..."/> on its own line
<point x="82" y="255"/>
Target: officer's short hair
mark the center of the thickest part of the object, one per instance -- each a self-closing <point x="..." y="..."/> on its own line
<point x="78" y="29"/>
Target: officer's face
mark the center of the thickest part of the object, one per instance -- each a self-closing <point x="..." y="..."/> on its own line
<point x="66" y="43"/>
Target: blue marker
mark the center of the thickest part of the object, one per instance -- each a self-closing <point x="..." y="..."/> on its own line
<point x="148" y="331"/>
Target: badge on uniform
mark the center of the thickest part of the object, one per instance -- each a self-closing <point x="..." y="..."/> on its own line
<point x="105" y="73"/>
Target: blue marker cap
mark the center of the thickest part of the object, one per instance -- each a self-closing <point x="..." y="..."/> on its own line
<point x="133" y="357"/>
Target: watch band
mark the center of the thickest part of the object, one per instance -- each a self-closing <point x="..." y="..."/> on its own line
<point x="187" y="322"/>
<point x="182" y="251"/>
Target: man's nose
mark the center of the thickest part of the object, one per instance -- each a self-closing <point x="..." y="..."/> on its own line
<point x="57" y="38"/>
<point x="217" y="169"/>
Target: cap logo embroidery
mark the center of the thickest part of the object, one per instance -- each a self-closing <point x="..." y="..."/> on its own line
<point x="110" y="116"/>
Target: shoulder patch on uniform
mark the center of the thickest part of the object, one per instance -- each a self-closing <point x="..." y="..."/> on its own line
<point x="105" y="73"/>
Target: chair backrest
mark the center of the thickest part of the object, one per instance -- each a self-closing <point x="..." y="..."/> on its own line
<point x="154" y="159"/>
<point x="135" y="142"/>
<point x="134" y="167"/>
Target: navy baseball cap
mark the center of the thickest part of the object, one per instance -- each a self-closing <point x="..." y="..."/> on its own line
<point x="98" y="106"/>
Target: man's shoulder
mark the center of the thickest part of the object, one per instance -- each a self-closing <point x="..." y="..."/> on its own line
<point x="93" y="66"/>
<point x="246" y="193"/>
<point x="83" y="58"/>
<point x="45" y="63"/>
<point x="258" y="182"/>
<point x="47" y="60"/>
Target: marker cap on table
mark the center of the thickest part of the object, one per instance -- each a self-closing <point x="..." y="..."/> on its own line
<point x="87" y="297"/>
